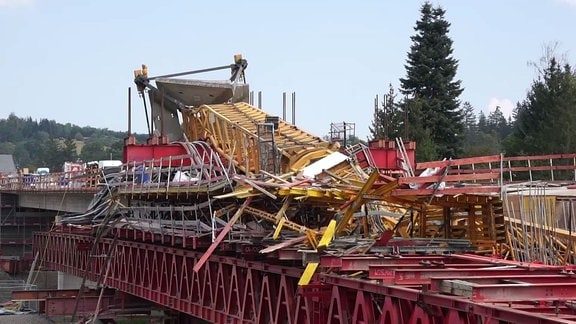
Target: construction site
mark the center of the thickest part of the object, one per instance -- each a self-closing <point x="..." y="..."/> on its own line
<point x="230" y="215"/>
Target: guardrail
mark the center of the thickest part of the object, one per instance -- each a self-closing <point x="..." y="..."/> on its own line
<point x="201" y="170"/>
<point x="203" y="166"/>
<point x="60" y="181"/>
<point x="494" y="168"/>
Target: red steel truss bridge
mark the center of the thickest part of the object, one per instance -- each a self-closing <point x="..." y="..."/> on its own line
<point x="454" y="288"/>
<point x="235" y="216"/>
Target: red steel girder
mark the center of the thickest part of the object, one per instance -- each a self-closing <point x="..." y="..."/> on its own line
<point x="509" y="292"/>
<point x="362" y="262"/>
<point x="523" y="278"/>
<point x="520" y="264"/>
<point x="62" y="306"/>
<point x="224" y="290"/>
<point x="234" y="290"/>
<point x="416" y="276"/>
<point x="27" y="295"/>
<point x="408" y="305"/>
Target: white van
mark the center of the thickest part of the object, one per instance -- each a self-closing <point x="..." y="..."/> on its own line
<point x="103" y="164"/>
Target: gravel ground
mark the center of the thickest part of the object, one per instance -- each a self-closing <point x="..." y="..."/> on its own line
<point x="5" y="296"/>
<point x="24" y="319"/>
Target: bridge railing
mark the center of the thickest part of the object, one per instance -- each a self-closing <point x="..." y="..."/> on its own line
<point x="204" y="166"/>
<point x="59" y="181"/>
<point x="199" y="171"/>
<point x="500" y="168"/>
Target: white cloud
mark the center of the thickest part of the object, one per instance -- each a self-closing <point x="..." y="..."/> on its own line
<point x="568" y="2"/>
<point x="15" y="3"/>
<point x="505" y="104"/>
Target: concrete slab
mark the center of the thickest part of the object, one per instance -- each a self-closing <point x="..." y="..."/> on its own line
<point x="191" y="93"/>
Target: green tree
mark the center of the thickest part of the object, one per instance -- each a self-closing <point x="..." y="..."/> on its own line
<point x="67" y="150"/>
<point x="7" y="148"/>
<point x="470" y="122"/>
<point x="432" y="103"/>
<point x="471" y="128"/>
<point x="115" y="151"/>
<point x="388" y="122"/>
<point x="93" y="151"/>
<point x="498" y="124"/>
<point x="545" y="119"/>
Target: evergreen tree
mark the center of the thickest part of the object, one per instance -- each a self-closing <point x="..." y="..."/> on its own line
<point x="497" y="123"/>
<point x="432" y="105"/>
<point x="545" y="119"/>
<point x="482" y="123"/>
<point x="378" y="129"/>
<point x="68" y="150"/>
<point x="388" y="122"/>
<point x="471" y="129"/>
<point x="469" y="117"/>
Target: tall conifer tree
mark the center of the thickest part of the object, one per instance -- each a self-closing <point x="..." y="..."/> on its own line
<point x="436" y="121"/>
<point x="545" y="119"/>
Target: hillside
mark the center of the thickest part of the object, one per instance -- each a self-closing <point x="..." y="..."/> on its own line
<point x="47" y="143"/>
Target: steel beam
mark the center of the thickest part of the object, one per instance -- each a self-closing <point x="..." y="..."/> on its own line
<point x="423" y="276"/>
<point x="233" y="290"/>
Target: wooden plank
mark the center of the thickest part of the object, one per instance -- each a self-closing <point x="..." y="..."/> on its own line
<point x="284" y="244"/>
<point x="456" y="287"/>
<point x="540" y="168"/>
<point x="357" y="202"/>
<point x="541" y="157"/>
<point x="447" y="191"/>
<point x="450" y="178"/>
<point x="453" y="163"/>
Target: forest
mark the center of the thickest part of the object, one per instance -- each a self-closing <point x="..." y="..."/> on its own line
<point x="427" y="107"/>
<point x="46" y="143"/>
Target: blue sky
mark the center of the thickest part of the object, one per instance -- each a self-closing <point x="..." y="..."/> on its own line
<point x="72" y="61"/>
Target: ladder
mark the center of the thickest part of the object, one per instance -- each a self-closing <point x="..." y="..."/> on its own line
<point x="404" y="159"/>
<point x="364" y="158"/>
<point x="268" y="152"/>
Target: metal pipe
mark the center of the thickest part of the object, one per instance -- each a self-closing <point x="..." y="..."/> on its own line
<point x="129" y="111"/>
<point x="293" y="108"/>
<point x="162" y="114"/>
<point x="146" y="113"/>
<point x="283" y="105"/>
<point x="260" y="99"/>
<point x="193" y="72"/>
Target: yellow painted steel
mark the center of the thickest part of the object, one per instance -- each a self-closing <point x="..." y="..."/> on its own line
<point x="308" y="273"/>
<point x="279" y="228"/>
<point x="328" y="235"/>
<point x="311" y="235"/>
<point x="358" y="200"/>
<point x="282" y="212"/>
<point x="229" y="126"/>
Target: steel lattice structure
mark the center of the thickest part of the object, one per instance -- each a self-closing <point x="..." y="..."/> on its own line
<point x="400" y="290"/>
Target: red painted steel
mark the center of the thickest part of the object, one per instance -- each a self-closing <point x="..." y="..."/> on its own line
<point x="387" y="156"/>
<point x="62" y="306"/>
<point x="233" y="290"/>
<point x="224" y="290"/>
<point x="145" y="152"/>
